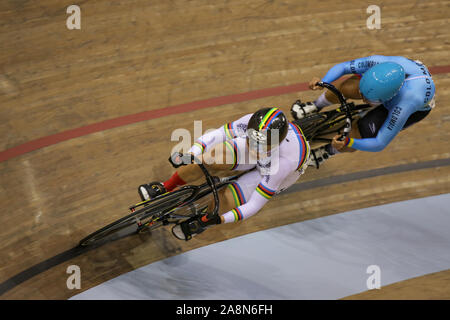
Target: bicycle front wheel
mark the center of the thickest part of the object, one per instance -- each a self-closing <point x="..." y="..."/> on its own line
<point x="130" y="223"/>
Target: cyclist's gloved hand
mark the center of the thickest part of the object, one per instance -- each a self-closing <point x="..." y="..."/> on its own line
<point x="313" y="84"/>
<point x="206" y="222"/>
<point x="339" y="142"/>
<point x="197" y="225"/>
<point x="178" y="159"/>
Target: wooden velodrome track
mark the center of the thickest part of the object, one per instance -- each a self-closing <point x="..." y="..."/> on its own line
<point x="77" y="137"/>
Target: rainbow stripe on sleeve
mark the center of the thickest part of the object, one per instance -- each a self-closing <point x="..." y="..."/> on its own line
<point x="349" y="142"/>
<point x="229" y="131"/>
<point x="201" y="145"/>
<point x="304" y="152"/>
<point x="231" y="145"/>
<point x="237" y="214"/>
<point x="238" y="195"/>
<point x="265" y="192"/>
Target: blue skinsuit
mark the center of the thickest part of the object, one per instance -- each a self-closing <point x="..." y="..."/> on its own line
<point x="415" y="94"/>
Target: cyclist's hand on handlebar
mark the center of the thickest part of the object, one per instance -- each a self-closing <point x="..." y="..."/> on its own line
<point x="179" y="159"/>
<point x="313" y="84"/>
<point x="338" y="144"/>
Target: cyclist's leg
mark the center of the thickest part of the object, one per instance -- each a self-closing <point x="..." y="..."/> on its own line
<point x="366" y="127"/>
<point x="321" y="154"/>
<point x="230" y="155"/>
<point x="214" y="160"/>
<point x="234" y="156"/>
<point x="349" y="88"/>
<point x="416" y="117"/>
<point x="369" y="125"/>
<point x="229" y="198"/>
<point x="238" y="159"/>
<point x="238" y="192"/>
<point x="188" y="174"/>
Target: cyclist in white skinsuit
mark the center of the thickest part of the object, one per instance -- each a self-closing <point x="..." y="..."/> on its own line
<point x="264" y="140"/>
<point x="280" y="169"/>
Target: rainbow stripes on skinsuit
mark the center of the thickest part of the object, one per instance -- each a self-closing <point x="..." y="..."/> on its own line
<point x="238" y="195"/>
<point x="264" y="191"/>
<point x="237" y="214"/>
<point x="268" y="118"/>
<point x="304" y="152"/>
<point x="349" y="142"/>
<point x="201" y="145"/>
<point x="229" y="130"/>
<point x="231" y="145"/>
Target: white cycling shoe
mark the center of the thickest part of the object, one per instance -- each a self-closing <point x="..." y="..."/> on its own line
<point x="299" y="110"/>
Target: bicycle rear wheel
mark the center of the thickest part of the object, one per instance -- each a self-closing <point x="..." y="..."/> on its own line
<point x="187" y="210"/>
<point x="317" y="125"/>
<point x="310" y="123"/>
<point x="131" y="222"/>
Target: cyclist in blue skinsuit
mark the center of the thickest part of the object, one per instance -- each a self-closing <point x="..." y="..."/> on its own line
<point x="400" y="90"/>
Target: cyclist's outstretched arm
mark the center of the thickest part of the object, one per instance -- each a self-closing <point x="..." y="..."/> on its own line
<point x="395" y="121"/>
<point x="228" y="131"/>
<point x="360" y="65"/>
<point x="206" y="143"/>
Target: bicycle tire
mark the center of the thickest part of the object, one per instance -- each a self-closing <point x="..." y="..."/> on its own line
<point x="176" y="216"/>
<point x="169" y="218"/>
<point x="130" y="219"/>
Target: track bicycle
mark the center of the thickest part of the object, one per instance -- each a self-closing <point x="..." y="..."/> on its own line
<point x="169" y="208"/>
<point x="188" y="201"/>
<point x="320" y="127"/>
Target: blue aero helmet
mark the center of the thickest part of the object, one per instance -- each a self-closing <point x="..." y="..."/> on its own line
<point x="382" y="82"/>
